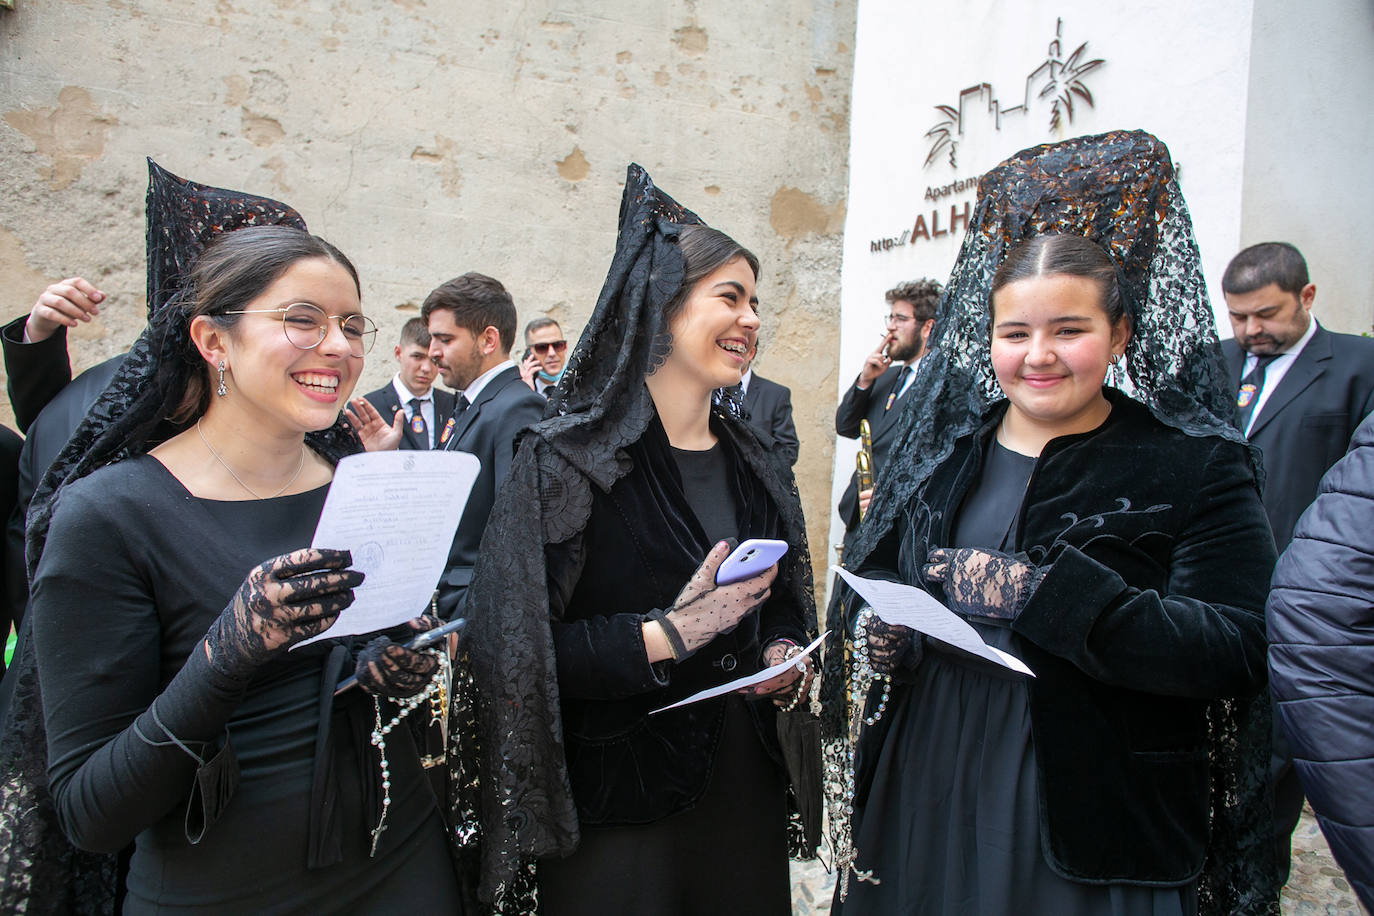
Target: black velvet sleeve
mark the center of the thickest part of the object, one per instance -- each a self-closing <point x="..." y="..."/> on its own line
<point x="781" y="616"/>
<point x="525" y="412"/>
<point x="97" y="637"/>
<point x="853" y="408"/>
<point x="601" y="657"/>
<point x="1203" y="635"/>
<point x="34" y="372"/>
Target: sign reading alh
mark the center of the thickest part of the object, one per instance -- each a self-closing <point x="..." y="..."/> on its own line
<point x="1058" y="82"/>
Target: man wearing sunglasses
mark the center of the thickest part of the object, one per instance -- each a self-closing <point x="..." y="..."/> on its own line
<point x="546" y="353"/>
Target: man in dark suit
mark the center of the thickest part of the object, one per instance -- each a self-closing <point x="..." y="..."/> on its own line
<point x="424" y="408"/>
<point x="471" y="321"/>
<point x="1301" y="392"/>
<point x="35" y="346"/>
<point x="769" y="406"/>
<point x="48" y="406"/>
<point x="1301" y="389"/>
<point x="877" y="393"/>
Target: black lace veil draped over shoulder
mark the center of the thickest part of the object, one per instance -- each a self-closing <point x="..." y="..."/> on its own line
<point x="39" y="870"/>
<point x="1118" y="189"/>
<point x="599" y="407"/>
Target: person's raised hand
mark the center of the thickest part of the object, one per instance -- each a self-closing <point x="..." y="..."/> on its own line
<point x="282" y="601"/>
<point x="528" y="367"/>
<point x="372" y="430"/>
<point x="876" y="363"/>
<point x="62" y="304"/>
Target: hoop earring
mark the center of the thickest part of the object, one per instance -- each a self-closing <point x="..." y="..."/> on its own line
<point x="221" y="390"/>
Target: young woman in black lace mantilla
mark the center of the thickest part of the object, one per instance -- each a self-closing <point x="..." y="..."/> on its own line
<point x="595" y="605"/>
<point x="1115" y="543"/>
<point x="173" y="574"/>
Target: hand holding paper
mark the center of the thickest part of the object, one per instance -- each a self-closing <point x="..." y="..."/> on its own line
<point x="396" y="512"/>
<point x="915" y="608"/>
<point x="748" y="680"/>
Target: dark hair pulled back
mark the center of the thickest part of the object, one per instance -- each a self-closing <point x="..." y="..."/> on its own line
<point x="704" y="250"/>
<point x="1064" y="255"/>
<point x="232" y="271"/>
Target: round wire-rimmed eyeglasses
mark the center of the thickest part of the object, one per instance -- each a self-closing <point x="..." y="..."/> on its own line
<point x="306" y="326"/>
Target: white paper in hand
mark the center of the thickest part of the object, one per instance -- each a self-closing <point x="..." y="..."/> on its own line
<point x="908" y="606"/>
<point x="749" y="680"/>
<point x="397" y="512"/>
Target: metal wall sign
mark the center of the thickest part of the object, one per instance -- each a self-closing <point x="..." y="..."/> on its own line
<point x="1056" y="87"/>
<point x="1056" y="79"/>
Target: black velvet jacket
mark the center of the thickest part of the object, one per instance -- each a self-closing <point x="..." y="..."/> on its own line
<point x="1156" y="557"/>
<point x="640" y="546"/>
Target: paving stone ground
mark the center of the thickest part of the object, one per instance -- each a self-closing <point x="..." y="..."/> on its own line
<point x="1315" y="886"/>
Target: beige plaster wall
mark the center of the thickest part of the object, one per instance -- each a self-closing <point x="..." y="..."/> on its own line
<point x="427" y="138"/>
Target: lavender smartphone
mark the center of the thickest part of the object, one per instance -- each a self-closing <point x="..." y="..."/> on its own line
<point x="749" y="559"/>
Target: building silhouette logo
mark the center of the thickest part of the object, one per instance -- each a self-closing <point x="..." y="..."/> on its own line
<point x="1058" y="80"/>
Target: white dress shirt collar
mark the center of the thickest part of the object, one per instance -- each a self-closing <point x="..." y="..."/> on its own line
<point x="472" y="391"/>
<point x="1275" y="371"/>
<point x="403" y="393"/>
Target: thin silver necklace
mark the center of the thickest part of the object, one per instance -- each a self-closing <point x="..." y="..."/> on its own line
<point x="224" y="464"/>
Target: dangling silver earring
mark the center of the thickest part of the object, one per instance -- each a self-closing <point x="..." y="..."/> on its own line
<point x="1116" y="358"/>
<point x="221" y="390"/>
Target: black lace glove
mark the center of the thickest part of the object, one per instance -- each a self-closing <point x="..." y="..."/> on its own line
<point x="387" y="668"/>
<point x="703" y="610"/>
<point x="791" y="688"/>
<point x="285" y="600"/>
<point x="888" y="644"/>
<point x="983" y="583"/>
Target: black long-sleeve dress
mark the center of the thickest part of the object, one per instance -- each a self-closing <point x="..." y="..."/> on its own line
<point x="134" y="571"/>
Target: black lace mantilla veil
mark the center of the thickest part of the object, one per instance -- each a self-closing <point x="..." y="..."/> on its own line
<point x="40" y="872"/>
<point x="1118" y="189"/>
<point x="600" y="406"/>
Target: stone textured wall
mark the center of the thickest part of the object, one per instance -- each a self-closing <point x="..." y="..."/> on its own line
<point x="430" y="138"/>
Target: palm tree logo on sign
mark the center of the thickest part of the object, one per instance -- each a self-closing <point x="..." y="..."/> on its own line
<point x="1057" y="79"/>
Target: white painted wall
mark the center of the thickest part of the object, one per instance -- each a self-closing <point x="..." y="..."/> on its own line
<point x="1309" y="142"/>
<point x="1179" y="70"/>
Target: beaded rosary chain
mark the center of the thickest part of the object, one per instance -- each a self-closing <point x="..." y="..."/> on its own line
<point x="436" y="688"/>
<point x="792" y="652"/>
<point x="861" y="678"/>
<point x="863" y="674"/>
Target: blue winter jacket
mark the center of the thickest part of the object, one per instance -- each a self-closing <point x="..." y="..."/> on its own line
<point x="1321" y="657"/>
